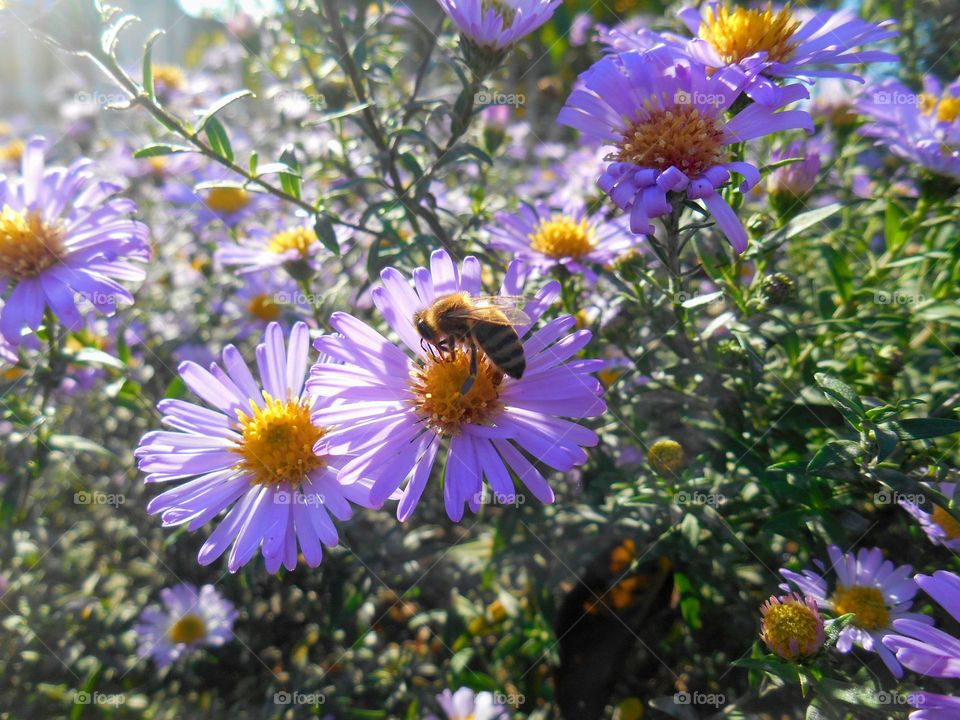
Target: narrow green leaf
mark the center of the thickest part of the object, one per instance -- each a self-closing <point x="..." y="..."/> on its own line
<point x="219" y="141"/>
<point x="220" y="105"/>
<point x="157" y="149"/>
<point x="835" y="452"/>
<point x="148" y="64"/>
<point x="323" y="226"/>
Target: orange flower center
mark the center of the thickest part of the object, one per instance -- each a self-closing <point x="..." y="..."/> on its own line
<point x="188" y="629"/>
<point x="680" y="136"/>
<point x="436" y="388"/>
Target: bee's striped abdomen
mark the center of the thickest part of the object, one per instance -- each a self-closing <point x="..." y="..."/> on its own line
<point x="502" y="345"/>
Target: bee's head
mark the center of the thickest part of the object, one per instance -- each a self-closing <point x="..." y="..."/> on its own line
<point x="423" y="327"/>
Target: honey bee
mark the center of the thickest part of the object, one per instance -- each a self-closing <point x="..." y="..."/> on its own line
<point x="486" y="321"/>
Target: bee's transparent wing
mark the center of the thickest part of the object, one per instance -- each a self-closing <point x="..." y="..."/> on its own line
<point x="496" y="309"/>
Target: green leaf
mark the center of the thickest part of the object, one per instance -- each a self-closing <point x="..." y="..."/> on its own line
<point x="176" y="389"/>
<point x="148" y="64"/>
<point x="98" y="358"/>
<point x="464" y="151"/>
<point x="323" y="226"/>
<point x="894" y="232"/>
<point x="835" y="452"/>
<point x="800" y="223"/>
<point x="157" y="149"/>
<point x="219" y="141"/>
<point x="76" y="443"/>
<point x="924" y="428"/>
<point x="842" y="396"/>
<point x="220" y="105"/>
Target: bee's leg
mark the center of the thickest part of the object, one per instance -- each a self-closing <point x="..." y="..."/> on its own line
<point x="468" y="383"/>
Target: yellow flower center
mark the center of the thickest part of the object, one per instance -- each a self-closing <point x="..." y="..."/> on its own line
<point x="679" y="136"/>
<point x="227" y="200"/>
<point x="299" y="239"/>
<point x="867" y="604"/>
<point x="169" y="76"/>
<point x="157" y="164"/>
<point x="263" y="307"/>
<point x="28" y="245"/>
<point x="790" y="621"/>
<point x="277" y="442"/>
<point x="563" y="237"/>
<point x="666" y="457"/>
<point x="947" y="108"/>
<point x="436" y="388"/>
<point x="740" y="32"/>
<point x="188" y="629"/>
<point x="947" y="522"/>
<point x="12" y="152"/>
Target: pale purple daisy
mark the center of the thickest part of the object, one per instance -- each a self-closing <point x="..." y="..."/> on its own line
<point x="465" y="704"/>
<point x="916" y="127"/>
<point x="253" y="451"/>
<point x="938" y="524"/>
<point x="569" y="237"/>
<point x="666" y="123"/>
<point x="287" y="243"/>
<point x="932" y="706"/>
<point x="875" y="591"/>
<point x="498" y="25"/>
<point x="64" y="234"/>
<point x="399" y="412"/>
<point x="924" y="649"/>
<point x="782" y="43"/>
<point x="189" y="620"/>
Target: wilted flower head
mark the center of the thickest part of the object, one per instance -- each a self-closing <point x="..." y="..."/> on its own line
<point x="498" y="24"/>
<point x="791" y="626"/>
<point x="189" y="620"/>
<point x="665" y="121"/>
<point x="63" y="234"/>
<point x="666" y="457"/>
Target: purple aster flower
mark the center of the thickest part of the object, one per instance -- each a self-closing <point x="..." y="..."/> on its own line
<point x="63" y="234"/>
<point x="933" y="707"/>
<point x="190" y="619"/>
<point x="570" y="237"/>
<point x="796" y="180"/>
<point x="262" y="249"/>
<point x="465" y="704"/>
<point x="919" y="128"/>
<point x="665" y="121"/>
<point x="398" y="412"/>
<point x="875" y="591"/>
<point x="939" y="525"/>
<point x="772" y="43"/>
<point x="215" y="195"/>
<point x="253" y="451"/>
<point x="498" y="25"/>
<point x="924" y="649"/>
